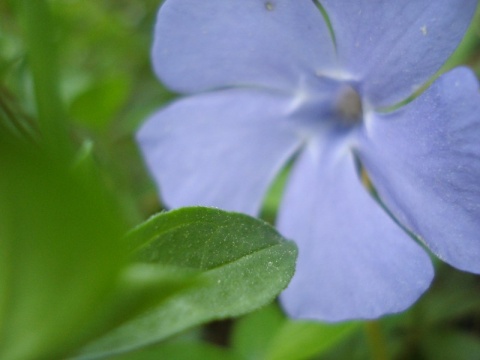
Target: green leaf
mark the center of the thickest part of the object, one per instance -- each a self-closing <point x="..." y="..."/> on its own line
<point x="40" y="35"/>
<point x="181" y="350"/>
<point x="450" y="344"/>
<point x="141" y="287"/>
<point x="268" y="334"/>
<point x="97" y="105"/>
<point x="302" y="340"/>
<point x="13" y="121"/>
<point x="60" y="253"/>
<point x="244" y="264"/>
<point x="253" y="333"/>
<point x="468" y="47"/>
<point x="274" y="195"/>
<point x="453" y="296"/>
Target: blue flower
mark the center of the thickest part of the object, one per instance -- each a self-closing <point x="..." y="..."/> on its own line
<point x="268" y="81"/>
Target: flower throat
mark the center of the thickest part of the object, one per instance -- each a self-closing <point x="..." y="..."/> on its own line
<point x="349" y="106"/>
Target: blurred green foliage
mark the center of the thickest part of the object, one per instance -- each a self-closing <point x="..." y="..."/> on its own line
<point x="107" y="83"/>
<point x="70" y="73"/>
<point x="53" y="255"/>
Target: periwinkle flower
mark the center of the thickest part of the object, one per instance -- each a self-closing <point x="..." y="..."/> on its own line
<point x="268" y="81"/>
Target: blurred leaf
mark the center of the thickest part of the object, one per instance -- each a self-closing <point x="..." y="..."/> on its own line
<point x="140" y="287"/>
<point x="13" y="121"/>
<point x="253" y="332"/>
<point x="468" y="47"/>
<point x="83" y="160"/>
<point x="96" y="106"/>
<point x="453" y="295"/>
<point x="451" y="345"/>
<point x="60" y="253"/>
<point x="40" y="30"/>
<point x="181" y="351"/>
<point x="244" y="262"/>
<point x="451" y="305"/>
<point x="274" y="195"/>
<point x="302" y="340"/>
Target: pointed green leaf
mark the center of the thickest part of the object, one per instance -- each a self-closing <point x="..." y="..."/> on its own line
<point x="253" y="333"/>
<point x="268" y="335"/>
<point x="303" y="340"/>
<point x="181" y="350"/>
<point x="141" y="287"/>
<point x="244" y="264"/>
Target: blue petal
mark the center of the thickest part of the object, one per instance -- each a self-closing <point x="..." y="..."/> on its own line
<point x="424" y="161"/>
<point x="209" y="44"/>
<point x="395" y="46"/>
<point x="354" y="261"/>
<point x="219" y="149"/>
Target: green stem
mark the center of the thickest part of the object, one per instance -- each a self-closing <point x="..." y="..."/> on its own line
<point x="42" y="55"/>
<point x="376" y="341"/>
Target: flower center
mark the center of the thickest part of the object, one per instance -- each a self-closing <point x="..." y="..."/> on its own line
<point x="349" y="106"/>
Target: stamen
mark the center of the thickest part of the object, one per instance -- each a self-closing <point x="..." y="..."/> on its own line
<point x="349" y="105"/>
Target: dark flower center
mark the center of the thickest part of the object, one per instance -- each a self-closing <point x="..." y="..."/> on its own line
<point x="349" y="106"/>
